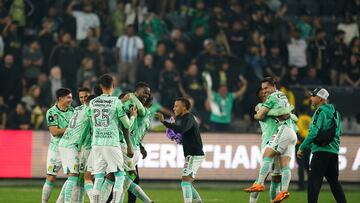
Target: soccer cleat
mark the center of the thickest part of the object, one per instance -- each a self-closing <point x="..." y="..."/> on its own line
<point x="281" y="196"/>
<point x="255" y="188"/>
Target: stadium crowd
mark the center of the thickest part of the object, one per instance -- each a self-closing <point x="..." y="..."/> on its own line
<point x="178" y="48"/>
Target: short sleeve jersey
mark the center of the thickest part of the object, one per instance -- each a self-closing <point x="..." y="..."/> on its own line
<point x="78" y="129"/>
<point x="59" y="118"/>
<point x="225" y="106"/>
<point x="105" y="112"/>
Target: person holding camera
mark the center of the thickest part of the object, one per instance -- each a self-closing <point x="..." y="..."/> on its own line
<point x="324" y="140"/>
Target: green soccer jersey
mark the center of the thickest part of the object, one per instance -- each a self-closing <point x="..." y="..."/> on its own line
<point x="59" y="118"/>
<point x="277" y="100"/>
<point x="142" y="125"/>
<point x="106" y="113"/>
<point x="78" y="129"/>
<point x="268" y="128"/>
<point x="225" y="105"/>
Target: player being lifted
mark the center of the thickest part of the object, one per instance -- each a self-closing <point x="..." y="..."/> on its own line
<point x="106" y="114"/>
<point x="186" y="125"/>
<point x="268" y="126"/>
<point x="70" y="147"/>
<point x="282" y="144"/>
<point x="57" y="117"/>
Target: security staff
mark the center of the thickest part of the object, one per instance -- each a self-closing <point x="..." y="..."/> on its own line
<point x="325" y="160"/>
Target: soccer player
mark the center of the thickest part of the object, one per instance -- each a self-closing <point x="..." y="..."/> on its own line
<point x="282" y="144"/>
<point x="106" y="114"/>
<point x="57" y="118"/>
<point x="186" y="124"/>
<point x="268" y="127"/>
<point x="70" y="146"/>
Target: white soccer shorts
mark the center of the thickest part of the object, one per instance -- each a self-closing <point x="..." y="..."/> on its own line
<point x="107" y="159"/>
<point x="70" y="159"/>
<point x="192" y="165"/>
<point x="130" y="163"/>
<point x="284" y="141"/>
<point x="84" y="156"/>
<point x="53" y="162"/>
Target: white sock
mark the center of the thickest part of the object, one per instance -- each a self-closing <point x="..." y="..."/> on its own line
<point x="106" y="190"/>
<point x="88" y="188"/>
<point x="254" y="196"/>
<point x="46" y="192"/>
<point x="187" y="193"/>
<point x="99" y="180"/>
<point x="61" y="197"/>
<point x="139" y="193"/>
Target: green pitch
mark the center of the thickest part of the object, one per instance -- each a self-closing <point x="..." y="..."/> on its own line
<point x="32" y="194"/>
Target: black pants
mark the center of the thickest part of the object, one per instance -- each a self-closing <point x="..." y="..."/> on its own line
<point x="131" y="197"/>
<point x="303" y="166"/>
<point x="324" y="164"/>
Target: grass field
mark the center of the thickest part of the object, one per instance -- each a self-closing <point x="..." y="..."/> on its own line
<point x="32" y="194"/>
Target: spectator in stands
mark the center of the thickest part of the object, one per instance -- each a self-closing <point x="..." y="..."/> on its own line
<point x="352" y="72"/>
<point x="235" y="12"/>
<point x="338" y="52"/>
<point x="350" y="28"/>
<point x="297" y="52"/>
<point x="304" y="26"/>
<point x="4" y="15"/>
<point x="237" y="39"/>
<point x="19" y="118"/>
<point x="224" y="75"/>
<point x="169" y="84"/>
<point x="32" y="97"/>
<point x="255" y="62"/>
<point x="3" y="113"/>
<point x="148" y="73"/>
<point x="68" y="58"/>
<point x="173" y="37"/>
<point x="48" y="89"/>
<point x="218" y="21"/>
<point x="197" y="40"/>
<point x="292" y="77"/>
<point x="32" y="59"/>
<point x="85" y="19"/>
<point x="13" y="41"/>
<point x="118" y="18"/>
<point x="94" y="51"/>
<point x="182" y="57"/>
<point x="259" y="21"/>
<point x="53" y="20"/>
<point x="355" y="46"/>
<point x="275" y="64"/>
<point x="135" y="12"/>
<point x="312" y="78"/>
<point x="10" y="81"/>
<point x="209" y="58"/>
<point x="47" y="41"/>
<point x="129" y="54"/>
<point x="160" y="56"/>
<point x="150" y="39"/>
<point x="193" y="87"/>
<point x="221" y="103"/>
<point x="86" y="71"/>
<point x="319" y="55"/>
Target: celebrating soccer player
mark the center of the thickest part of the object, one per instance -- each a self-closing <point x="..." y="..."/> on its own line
<point x="57" y="118"/>
<point x="186" y="125"/>
<point x="282" y="144"/>
<point x="106" y="114"/>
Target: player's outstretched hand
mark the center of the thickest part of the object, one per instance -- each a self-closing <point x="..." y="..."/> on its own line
<point x="130" y="152"/>
<point x="160" y="116"/>
<point x="143" y="152"/>
<point x="300" y="154"/>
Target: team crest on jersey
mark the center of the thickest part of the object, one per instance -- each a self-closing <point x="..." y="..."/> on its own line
<point x="56" y="116"/>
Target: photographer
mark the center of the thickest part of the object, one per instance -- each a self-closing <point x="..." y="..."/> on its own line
<point x="324" y="140"/>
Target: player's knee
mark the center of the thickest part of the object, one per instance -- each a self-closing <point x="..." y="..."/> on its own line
<point x="186" y="179"/>
<point x="87" y="176"/>
<point x="51" y="178"/>
<point x="276" y="179"/>
<point x="110" y="176"/>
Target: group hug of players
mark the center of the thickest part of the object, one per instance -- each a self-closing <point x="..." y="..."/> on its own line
<point x="100" y="140"/>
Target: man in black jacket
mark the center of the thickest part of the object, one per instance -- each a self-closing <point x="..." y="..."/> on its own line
<point x="187" y="126"/>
